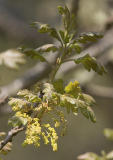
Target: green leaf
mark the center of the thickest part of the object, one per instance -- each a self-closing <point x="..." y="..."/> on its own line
<point x="88" y="113"/>
<point x="18" y="102"/>
<point x="76" y="47"/>
<point x="45" y="28"/>
<point x="91" y="114"/>
<point x="33" y="54"/>
<point x="61" y="10"/>
<point x="53" y="32"/>
<point x="42" y="28"/>
<point x="108" y="133"/>
<point x="89" y="37"/>
<point x="88" y="99"/>
<point x="90" y="63"/>
<point x="17" y="121"/>
<point x="71" y="104"/>
<point x="29" y="96"/>
<point x="62" y="34"/>
<point x="64" y="11"/>
<point x="66" y="38"/>
<point x="58" y="85"/>
<point x="47" y="48"/>
<point x="73" y="89"/>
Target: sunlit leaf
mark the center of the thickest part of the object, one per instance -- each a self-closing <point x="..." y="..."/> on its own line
<point x="11" y="59"/>
<point x="76" y="47"/>
<point x="45" y="28"/>
<point x="17" y="121"/>
<point x="88" y="99"/>
<point x="42" y="28"/>
<point x="33" y="54"/>
<point x="89" y="37"/>
<point x="90" y="63"/>
<point x="73" y="88"/>
<point x="28" y="95"/>
<point x="47" y="48"/>
<point x="88" y="113"/>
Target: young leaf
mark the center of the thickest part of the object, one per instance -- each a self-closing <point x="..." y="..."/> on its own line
<point x="29" y="96"/>
<point x="47" y="48"/>
<point x="66" y="16"/>
<point x="88" y="99"/>
<point x="76" y="47"/>
<point x="58" y="85"/>
<point x="11" y="59"/>
<point x="89" y="37"/>
<point x="61" y="10"/>
<point x="45" y="28"/>
<point x="90" y="63"/>
<point x="17" y="121"/>
<point x="91" y="114"/>
<point x="33" y="54"/>
<point x="88" y="113"/>
<point x="42" y="28"/>
<point x="73" y="88"/>
<point x="71" y="104"/>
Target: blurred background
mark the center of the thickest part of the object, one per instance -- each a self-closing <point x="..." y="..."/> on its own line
<point x="92" y="15"/>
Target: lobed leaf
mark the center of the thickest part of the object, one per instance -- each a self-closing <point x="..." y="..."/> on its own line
<point x="76" y="47"/>
<point x="90" y="63"/>
<point x="47" y="48"/>
<point x="42" y="28"/>
<point x="88" y="99"/>
<point x="89" y="37"/>
<point x="33" y="54"/>
<point x="29" y="96"/>
<point x="73" y="88"/>
<point x="11" y="59"/>
<point x="17" y="121"/>
<point x="88" y="113"/>
<point x="45" y="28"/>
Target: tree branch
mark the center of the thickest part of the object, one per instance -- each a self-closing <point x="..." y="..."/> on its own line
<point x="10" y="135"/>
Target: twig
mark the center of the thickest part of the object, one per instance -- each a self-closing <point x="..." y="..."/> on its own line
<point x="10" y="135"/>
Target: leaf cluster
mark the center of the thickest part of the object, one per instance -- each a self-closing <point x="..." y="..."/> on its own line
<point x="41" y="111"/>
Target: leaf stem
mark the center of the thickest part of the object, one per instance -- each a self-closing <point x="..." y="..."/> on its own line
<point x="57" y="66"/>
